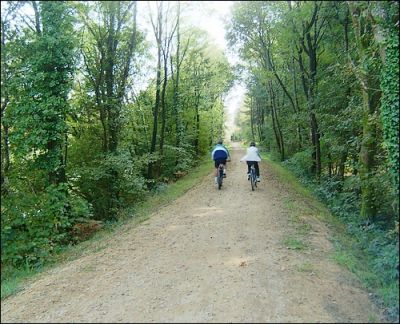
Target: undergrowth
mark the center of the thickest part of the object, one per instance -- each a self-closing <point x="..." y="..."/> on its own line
<point x="13" y="278"/>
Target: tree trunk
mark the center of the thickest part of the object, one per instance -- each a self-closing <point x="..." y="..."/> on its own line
<point x="163" y="106"/>
<point x="275" y="124"/>
<point x="197" y="103"/>
<point x="104" y="122"/>
<point x="158" y="32"/>
<point x="343" y="158"/>
<point x="296" y="102"/>
<point x="362" y="24"/>
<point x="259" y="120"/>
<point x="368" y="152"/>
<point x="386" y="35"/>
<point x="111" y="107"/>
<point x="309" y="84"/>
<point x="166" y="53"/>
<point x="252" y="117"/>
<point x="312" y="54"/>
<point x="280" y="136"/>
<point x="176" y="97"/>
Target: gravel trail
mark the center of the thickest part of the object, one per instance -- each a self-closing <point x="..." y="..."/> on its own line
<point x="209" y="256"/>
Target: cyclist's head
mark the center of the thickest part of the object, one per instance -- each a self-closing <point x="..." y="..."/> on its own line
<point x="252" y="144"/>
<point x="220" y="141"/>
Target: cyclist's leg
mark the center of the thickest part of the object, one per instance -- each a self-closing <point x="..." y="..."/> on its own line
<point x="216" y="164"/>
<point x="248" y="166"/>
<point x="224" y="163"/>
<point x="257" y="169"/>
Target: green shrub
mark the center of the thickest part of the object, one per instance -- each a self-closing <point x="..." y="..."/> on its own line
<point x="34" y="225"/>
<point x="110" y="174"/>
<point x="300" y="163"/>
<point x="177" y="159"/>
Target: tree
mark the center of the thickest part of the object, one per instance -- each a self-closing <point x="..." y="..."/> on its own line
<point x="108" y="57"/>
<point x="385" y="25"/>
<point x="164" y="35"/>
<point x="312" y="31"/>
<point x="367" y="73"/>
<point x="39" y="207"/>
<point x="6" y="38"/>
<point x="40" y="116"/>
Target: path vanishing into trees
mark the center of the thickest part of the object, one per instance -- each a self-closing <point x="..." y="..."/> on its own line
<point x="209" y="256"/>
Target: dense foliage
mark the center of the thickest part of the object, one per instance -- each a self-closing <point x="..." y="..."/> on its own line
<point x="323" y="97"/>
<point x="89" y="126"/>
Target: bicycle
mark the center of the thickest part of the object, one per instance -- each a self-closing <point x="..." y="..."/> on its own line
<point x="220" y="176"/>
<point x="253" y="177"/>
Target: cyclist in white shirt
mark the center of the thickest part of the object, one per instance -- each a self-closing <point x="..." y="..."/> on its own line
<point x="252" y="157"/>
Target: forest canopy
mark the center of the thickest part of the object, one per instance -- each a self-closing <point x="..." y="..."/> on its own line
<point x="84" y="137"/>
<point x="81" y="140"/>
<point x="322" y="80"/>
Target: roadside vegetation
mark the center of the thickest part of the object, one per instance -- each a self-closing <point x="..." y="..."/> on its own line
<point x="130" y="217"/>
<point x="95" y="118"/>
<point x="322" y="97"/>
<point x="368" y="252"/>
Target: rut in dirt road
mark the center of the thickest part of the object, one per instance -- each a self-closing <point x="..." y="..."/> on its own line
<point x="210" y="256"/>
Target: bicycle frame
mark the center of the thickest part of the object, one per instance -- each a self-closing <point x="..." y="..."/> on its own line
<point x="253" y="177"/>
<point x="220" y="175"/>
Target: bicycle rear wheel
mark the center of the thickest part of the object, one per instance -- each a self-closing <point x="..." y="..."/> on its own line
<point x="219" y="182"/>
<point x="220" y="177"/>
<point x="253" y="179"/>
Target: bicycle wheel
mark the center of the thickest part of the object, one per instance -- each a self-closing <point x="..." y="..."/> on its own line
<point x="253" y="180"/>
<point x="220" y="177"/>
<point x="219" y="182"/>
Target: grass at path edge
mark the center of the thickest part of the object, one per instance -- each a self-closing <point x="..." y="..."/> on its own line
<point x="346" y="252"/>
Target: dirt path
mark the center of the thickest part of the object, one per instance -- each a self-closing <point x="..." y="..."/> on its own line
<point x="210" y="256"/>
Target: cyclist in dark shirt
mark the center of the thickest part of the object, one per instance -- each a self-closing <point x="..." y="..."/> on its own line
<point x="220" y="154"/>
